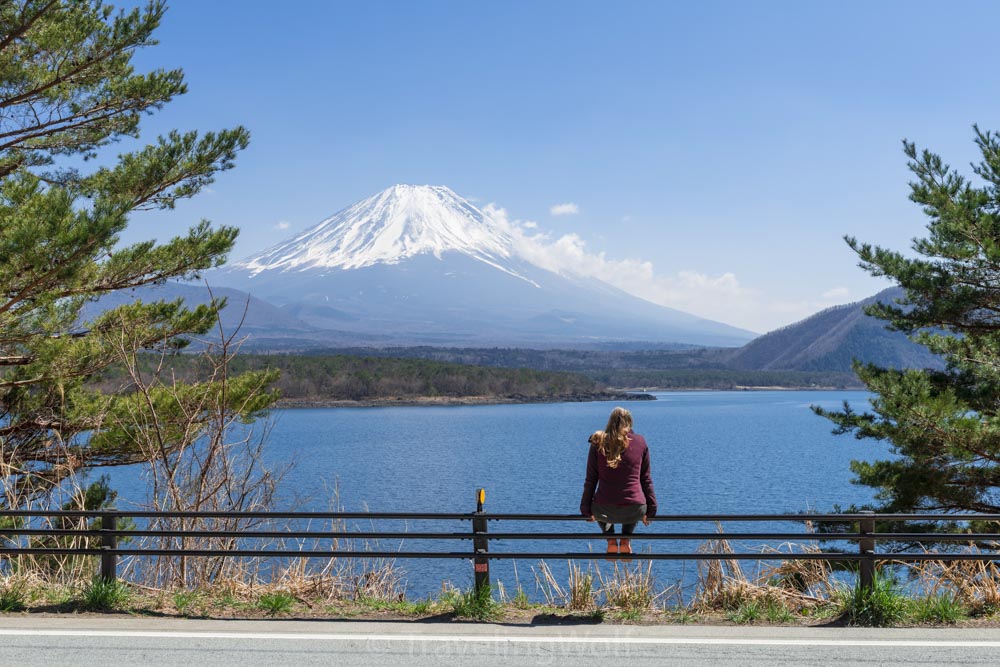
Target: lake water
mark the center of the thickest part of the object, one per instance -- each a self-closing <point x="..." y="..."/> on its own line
<point x="711" y="452"/>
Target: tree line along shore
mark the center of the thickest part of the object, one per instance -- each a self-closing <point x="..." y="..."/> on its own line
<point x="650" y="370"/>
<point x="345" y="380"/>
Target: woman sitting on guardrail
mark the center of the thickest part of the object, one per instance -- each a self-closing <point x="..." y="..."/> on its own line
<point x="619" y="487"/>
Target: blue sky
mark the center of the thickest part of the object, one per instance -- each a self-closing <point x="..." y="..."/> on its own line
<point x="715" y="152"/>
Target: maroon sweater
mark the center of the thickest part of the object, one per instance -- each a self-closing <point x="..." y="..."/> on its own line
<point x="628" y="484"/>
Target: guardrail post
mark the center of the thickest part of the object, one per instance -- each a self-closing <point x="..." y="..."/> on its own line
<point x="109" y="542"/>
<point x="480" y="544"/>
<point x="866" y="552"/>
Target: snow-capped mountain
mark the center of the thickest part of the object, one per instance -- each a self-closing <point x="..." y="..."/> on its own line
<point x="390" y="227"/>
<point x="422" y="265"/>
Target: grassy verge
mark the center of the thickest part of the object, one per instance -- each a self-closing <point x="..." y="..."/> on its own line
<point x="620" y="598"/>
<point x="785" y="591"/>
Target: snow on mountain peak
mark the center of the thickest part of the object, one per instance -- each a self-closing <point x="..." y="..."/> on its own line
<point x="388" y="227"/>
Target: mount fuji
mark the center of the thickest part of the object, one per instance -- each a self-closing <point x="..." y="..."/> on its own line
<point x="421" y="265"/>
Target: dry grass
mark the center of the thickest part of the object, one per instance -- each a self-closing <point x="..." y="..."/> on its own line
<point x="795" y="584"/>
<point x="580" y="591"/>
<point x="626" y="587"/>
<point x="975" y="585"/>
<point x="520" y="599"/>
<point x="547" y="584"/>
<point x="630" y="587"/>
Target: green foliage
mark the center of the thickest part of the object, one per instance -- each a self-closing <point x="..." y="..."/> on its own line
<point x="420" y="607"/>
<point x="629" y="615"/>
<point x="477" y="604"/>
<point x="278" y="602"/>
<point x="521" y="599"/>
<point x="880" y="606"/>
<point x="361" y="378"/>
<point x="942" y="424"/>
<point x="184" y="599"/>
<point x="824" y="610"/>
<point x="97" y="496"/>
<point x="228" y="600"/>
<point x="683" y="615"/>
<point x="105" y="595"/>
<point x="13" y="595"/>
<point x="776" y="612"/>
<point x="940" y="608"/>
<point x="667" y="369"/>
<point x="68" y="88"/>
<point x="748" y="611"/>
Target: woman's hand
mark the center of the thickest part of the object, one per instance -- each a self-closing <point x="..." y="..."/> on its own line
<point x="645" y="520"/>
<point x="591" y="518"/>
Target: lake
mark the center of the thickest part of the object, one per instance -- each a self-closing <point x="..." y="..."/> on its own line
<point x="711" y="452"/>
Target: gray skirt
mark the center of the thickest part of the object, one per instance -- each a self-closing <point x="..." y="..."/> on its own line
<point x="618" y="513"/>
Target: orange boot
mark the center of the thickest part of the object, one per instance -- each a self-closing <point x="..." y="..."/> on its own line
<point x="625" y="546"/>
<point x="612" y="549"/>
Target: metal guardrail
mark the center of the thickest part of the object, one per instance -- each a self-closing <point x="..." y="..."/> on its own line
<point x="865" y="536"/>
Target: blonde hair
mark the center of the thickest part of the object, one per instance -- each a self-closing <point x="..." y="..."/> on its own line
<point x="613" y="441"/>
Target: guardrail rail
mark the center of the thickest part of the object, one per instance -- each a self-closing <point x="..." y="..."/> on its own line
<point x="865" y="558"/>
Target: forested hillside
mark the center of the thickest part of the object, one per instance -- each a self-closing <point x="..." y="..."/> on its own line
<point x="665" y="369"/>
<point x="332" y="378"/>
<point x="831" y="339"/>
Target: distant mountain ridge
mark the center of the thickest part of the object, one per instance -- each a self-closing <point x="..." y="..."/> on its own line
<point x="262" y="324"/>
<point x="831" y="339"/>
<point x="815" y="352"/>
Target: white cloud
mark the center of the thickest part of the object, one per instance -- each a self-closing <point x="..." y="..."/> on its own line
<point x="836" y="294"/>
<point x="283" y="224"/>
<point x="569" y="208"/>
<point x="720" y="297"/>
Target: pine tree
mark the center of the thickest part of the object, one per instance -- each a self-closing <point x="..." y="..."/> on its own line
<point x="943" y="426"/>
<point x="68" y="89"/>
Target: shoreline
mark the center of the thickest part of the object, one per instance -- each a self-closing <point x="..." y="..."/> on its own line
<point x="625" y="394"/>
<point x="666" y="390"/>
<point x="454" y="401"/>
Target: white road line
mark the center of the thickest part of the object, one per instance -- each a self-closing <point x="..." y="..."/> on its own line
<point x="498" y="639"/>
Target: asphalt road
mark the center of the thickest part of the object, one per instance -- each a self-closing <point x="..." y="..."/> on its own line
<point x="30" y="640"/>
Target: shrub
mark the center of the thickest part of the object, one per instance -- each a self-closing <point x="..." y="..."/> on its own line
<point x="477" y="604"/>
<point x="777" y="612"/>
<point x="183" y="600"/>
<point x="881" y="605"/>
<point x="940" y="608"/>
<point x="278" y="602"/>
<point x="521" y="600"/>
<point x="749" y="611"/>
<point x="105" y="594"/>
<point x="13" y="595"/>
